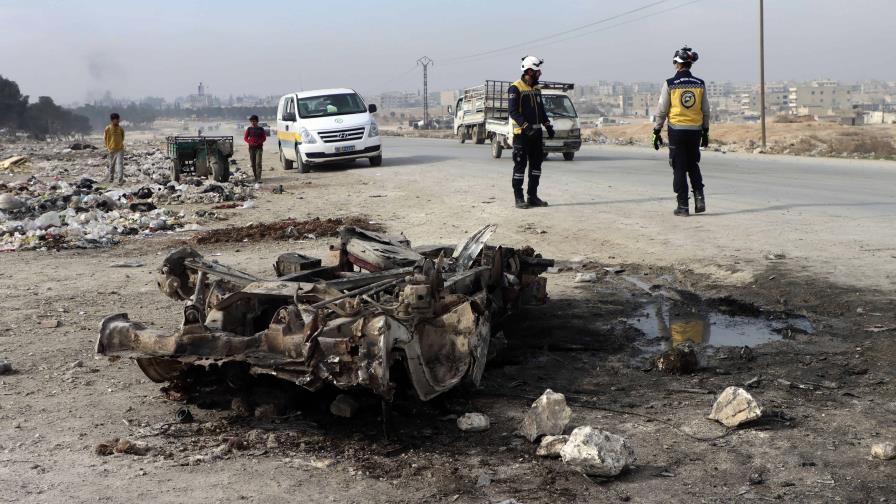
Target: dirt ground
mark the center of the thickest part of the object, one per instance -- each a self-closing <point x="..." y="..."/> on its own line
<point x="792" y="138"/>
<point x="829" y="391"/>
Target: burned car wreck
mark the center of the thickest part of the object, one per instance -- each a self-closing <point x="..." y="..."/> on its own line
<point x="433" y="311"/>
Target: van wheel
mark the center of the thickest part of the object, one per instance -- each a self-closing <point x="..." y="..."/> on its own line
<point x="285" y="163"/>
<point x="569" y="156"/>
<point x="301" y="165"/>
<point x="376" y="160"/>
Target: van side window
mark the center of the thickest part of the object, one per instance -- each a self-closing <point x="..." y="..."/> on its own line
<point x="289" y="108"/>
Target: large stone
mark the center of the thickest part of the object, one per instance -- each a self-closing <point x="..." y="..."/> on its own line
<point x="551" y="445"/>
<point x="548" y="415"/>
<point x="473" y="422"/>
<point x="884" y="451"/>
<point x="735" y="407"/>
<point x="596" y="452"/>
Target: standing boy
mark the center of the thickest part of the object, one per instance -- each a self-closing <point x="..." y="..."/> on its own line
<point x="113" y="136"/>
<point x="255" y="137"/>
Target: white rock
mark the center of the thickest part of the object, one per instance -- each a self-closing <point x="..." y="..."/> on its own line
<point x="585" y="278"/>
<point x="596" y="452"/>
<point x="884" y="451"/>
<point x="473" y="422"/>
<point x="734" y="407"/>
<point x="548" y="415"/>
<point x="551" y="445"/>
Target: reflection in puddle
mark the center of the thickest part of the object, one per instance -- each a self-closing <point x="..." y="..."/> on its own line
<point x="674" y="323"/>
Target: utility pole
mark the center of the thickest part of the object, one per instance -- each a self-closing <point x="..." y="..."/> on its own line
<point x="762" y="71"/>
<point x="425" y="62"/>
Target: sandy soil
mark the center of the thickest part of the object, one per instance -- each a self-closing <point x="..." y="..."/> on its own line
<point x="831" y="392"/>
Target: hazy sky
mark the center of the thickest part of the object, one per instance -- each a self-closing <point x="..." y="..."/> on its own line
<point x="164" y="48"/>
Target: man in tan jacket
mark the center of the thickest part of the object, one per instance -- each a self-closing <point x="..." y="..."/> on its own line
<point x="114" y="139"/>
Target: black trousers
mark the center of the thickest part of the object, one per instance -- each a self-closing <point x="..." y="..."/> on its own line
<point x="684" y="157"/>
<point x="527" y="149"/>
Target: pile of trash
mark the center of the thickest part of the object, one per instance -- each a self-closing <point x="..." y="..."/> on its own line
<point x="50" y="210"/>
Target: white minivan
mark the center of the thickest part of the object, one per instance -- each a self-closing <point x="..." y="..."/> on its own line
<point x="325" y="126"/>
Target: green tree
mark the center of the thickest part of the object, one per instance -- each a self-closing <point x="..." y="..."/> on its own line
<point x="12" y="104"/>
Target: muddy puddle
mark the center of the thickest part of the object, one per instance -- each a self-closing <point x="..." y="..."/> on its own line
<point x="667" y="323"/>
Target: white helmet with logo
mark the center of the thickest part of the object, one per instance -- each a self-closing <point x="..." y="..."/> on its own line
<point x="531" y="63"/>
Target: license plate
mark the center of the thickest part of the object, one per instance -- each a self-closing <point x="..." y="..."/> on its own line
<point x="345" y="148"/>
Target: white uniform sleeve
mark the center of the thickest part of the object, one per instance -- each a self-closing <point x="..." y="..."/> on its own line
<point x="662" y="107"/>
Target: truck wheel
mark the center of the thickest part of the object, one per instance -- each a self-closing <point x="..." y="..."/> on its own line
<point x="376" y="160"/>
<point x="479" y="135"/>
<point x="175" y="170"/>
<point x="461" y="135"/>
<point x="497" y="148"/>
<point x="301" y="165"/>
<point x="285" y="163"/>
<point x="220" y="170"/>
<point x="569" y="156"/>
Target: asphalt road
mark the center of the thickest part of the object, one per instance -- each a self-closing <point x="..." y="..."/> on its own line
<point x="833" y="217"/>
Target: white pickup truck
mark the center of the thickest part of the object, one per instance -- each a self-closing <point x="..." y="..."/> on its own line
<point x="481" y="114"/>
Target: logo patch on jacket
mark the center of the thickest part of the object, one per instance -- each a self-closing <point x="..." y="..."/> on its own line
<point x="688" y="99"/>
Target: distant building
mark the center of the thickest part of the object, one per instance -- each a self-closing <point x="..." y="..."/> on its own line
<point x="820" y="97"/>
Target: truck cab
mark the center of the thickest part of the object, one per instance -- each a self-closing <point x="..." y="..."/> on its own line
<point x="326" y="126"/>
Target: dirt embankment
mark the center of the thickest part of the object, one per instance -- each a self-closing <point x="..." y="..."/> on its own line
<point x="797" y="138"/>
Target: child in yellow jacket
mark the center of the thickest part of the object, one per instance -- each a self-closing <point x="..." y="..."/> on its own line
<point x="114" y="139"/>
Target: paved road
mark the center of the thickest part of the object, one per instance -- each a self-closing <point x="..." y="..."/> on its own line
<point x="832" y="216"/>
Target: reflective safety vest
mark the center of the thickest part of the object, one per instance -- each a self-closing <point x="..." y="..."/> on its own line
<point x="686" y="98"/>
<point x="525" y="106"/>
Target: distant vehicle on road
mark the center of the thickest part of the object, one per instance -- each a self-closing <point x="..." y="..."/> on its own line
<point x="481" y="114"/>
<point x="325" y="126"/>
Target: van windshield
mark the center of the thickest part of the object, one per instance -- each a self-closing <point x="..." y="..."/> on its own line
<point x="558" y="105"/>
<point x="328" y="105"/>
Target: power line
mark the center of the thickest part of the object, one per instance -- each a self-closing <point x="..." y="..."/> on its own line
<point x="531" y="41"/>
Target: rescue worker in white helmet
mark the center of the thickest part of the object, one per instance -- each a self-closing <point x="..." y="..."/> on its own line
<point x="684" y="103"/>
<point x="527" y="116"/>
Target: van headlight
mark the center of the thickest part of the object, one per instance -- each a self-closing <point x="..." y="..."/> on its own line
<point x="374" y="130"/>
<point x="307" y="137"/>
<point x="574" y="132"/>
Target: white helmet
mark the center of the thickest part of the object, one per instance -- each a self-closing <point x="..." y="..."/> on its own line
<point x="531" y="63"/>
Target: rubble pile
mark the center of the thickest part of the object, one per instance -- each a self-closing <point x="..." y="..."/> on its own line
<point x="286" y="229"/>
<point x="66" y="204"/>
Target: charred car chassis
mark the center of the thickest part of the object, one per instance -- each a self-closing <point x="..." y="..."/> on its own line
<point x="432" y="310"/>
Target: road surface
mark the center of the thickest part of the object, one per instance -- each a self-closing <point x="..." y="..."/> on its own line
<point x="833" y="217"/>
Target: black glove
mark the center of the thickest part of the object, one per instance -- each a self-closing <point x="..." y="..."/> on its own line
<point x="657" y="139"/>
<point x="528" y="130"/>
<point x="704" y="140"/>
<point x="550" y="130"/>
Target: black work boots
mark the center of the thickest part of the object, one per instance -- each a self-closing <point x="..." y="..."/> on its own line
<point x="521" y="203"/>
<point x="699" y="201"/>
<point x="682" y="209"/>
<point x="535" y="201"/>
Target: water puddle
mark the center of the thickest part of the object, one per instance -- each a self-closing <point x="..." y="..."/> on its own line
<point x="668" y="323"/>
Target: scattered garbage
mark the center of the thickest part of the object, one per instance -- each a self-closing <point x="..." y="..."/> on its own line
<point x="122" y="446"/>
<point x="734" y="407"/>
<point x="81" y="146"/>
<point x="596" y="452"/>
<point x="551" y="445"/>
<point x="549" y="415"/>
<point x="344" y="406"/>
<point x="5" y="367"/>
<point x="473" y="422"/>
<point x="64" y="204"/>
